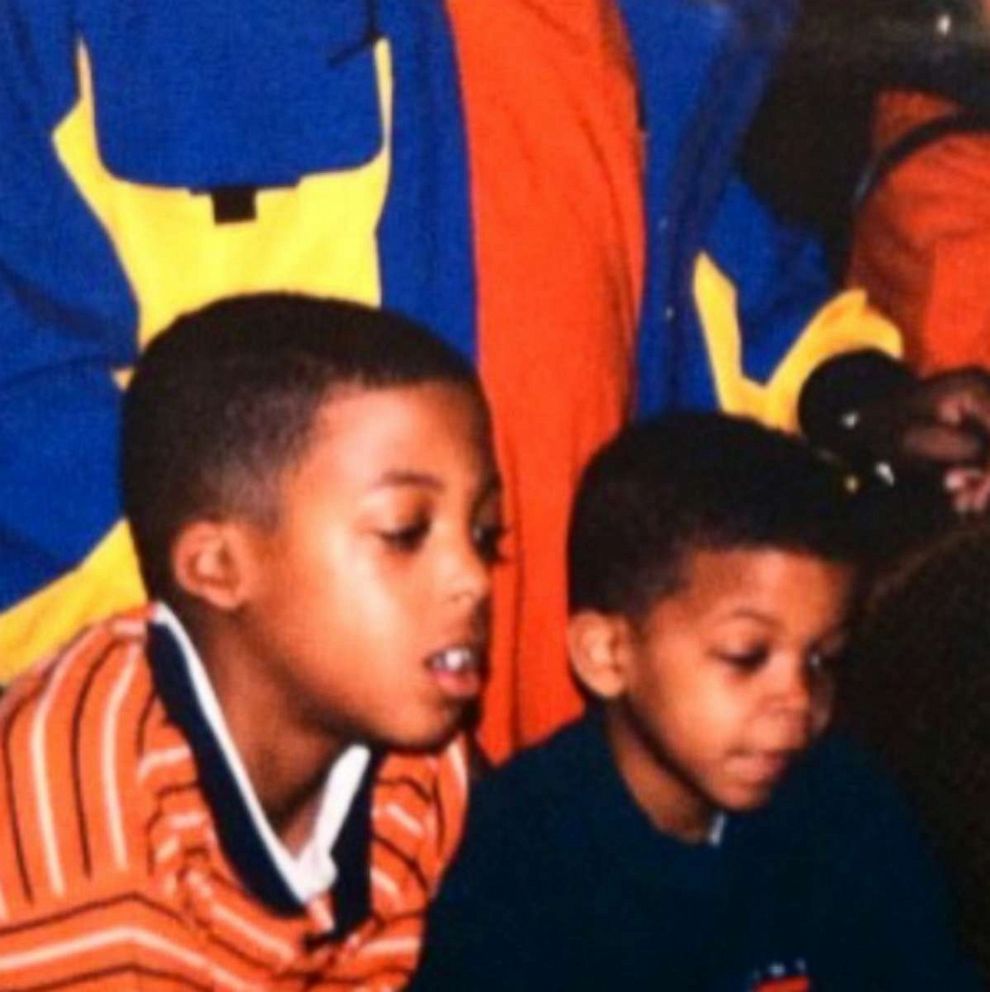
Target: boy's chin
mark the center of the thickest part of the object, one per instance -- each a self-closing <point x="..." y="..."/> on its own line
<point x="429" y="735"/>
<point x="748" y="804"/>
<point x="747" y="799"/>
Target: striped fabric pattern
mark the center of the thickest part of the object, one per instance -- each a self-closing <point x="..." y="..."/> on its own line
<point x="111" y="873"/>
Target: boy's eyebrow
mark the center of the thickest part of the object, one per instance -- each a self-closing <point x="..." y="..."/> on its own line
<point x="411" y="477"/>
<point x="408" y="477"/>
<point x="839" y="630"/>
<point x="748" y="613"/>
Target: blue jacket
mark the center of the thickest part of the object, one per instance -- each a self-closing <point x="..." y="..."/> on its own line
<point x="156" y="156"/>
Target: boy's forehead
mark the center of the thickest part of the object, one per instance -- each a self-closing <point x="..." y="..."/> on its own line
<point x="395" y="430"/>
<point x="761" y="581"/>
<point x="438" y="407"/>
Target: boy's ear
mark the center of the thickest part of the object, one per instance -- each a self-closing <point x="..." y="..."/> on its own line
<point x="212" y="560"/>
<point x="599" y="646"/>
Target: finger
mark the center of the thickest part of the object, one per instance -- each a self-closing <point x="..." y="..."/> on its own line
<point x="980" y="496"/>
<point x="962" y="505"/>
<point x="968" y="490"/>
<point x="969" y="504"/>
<point x="968" y="405"/>
<point x="943" y="444"/>
<point x="964" y="498"/>
<point x="959" y="480"/>
<point x="963" y="502"/>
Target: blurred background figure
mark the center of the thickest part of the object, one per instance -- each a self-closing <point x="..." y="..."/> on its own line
<point x="922" y="233"/>
<point x="917" y="693"/>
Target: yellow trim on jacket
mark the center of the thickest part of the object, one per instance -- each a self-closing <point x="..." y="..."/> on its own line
<point x="845" y="323"/>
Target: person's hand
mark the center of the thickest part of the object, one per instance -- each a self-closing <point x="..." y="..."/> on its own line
<point x="940" y="424"/>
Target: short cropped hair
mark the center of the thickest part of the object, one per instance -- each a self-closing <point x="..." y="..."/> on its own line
<point x="695" y="481"/>
<point x="225" y="400"/>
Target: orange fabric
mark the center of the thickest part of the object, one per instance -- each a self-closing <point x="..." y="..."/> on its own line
<point x="555" y="164"/>
<point x="111" y="873"/>
<point x="922" y="243"/>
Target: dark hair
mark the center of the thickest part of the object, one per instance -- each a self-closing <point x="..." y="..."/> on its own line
<point x="225" y="400"/>
<point x="695" y="481"/>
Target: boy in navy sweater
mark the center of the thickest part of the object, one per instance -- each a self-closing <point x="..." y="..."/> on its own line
<point x="695" y="831"/>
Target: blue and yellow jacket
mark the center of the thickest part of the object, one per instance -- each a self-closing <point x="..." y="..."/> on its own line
<point x="156" y="156"/>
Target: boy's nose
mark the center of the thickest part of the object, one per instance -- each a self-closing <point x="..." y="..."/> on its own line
<point x="470" y="577"/>
<point x="794" y="689"/>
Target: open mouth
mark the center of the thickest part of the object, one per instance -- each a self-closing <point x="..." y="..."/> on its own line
<point x="459" y="670"/>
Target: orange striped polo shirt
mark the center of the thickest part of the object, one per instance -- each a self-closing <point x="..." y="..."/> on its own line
<point x="128" y="859"/>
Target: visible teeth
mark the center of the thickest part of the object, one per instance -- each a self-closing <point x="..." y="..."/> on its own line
<point x="454" y="660"/>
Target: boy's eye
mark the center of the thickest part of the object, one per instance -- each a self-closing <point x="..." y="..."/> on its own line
<point x="748" y="660"/>
<point x="487" y="540"/>
<point x="406" y="538"/>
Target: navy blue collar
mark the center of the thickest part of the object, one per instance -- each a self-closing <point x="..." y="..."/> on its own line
<point x="613" y="817"/>
<point x="241" y="843"/>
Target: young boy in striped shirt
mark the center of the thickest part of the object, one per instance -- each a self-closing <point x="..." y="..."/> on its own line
<point x="256" y="781"/>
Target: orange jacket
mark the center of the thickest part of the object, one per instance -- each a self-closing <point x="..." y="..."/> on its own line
<point x="922" y="241"/>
